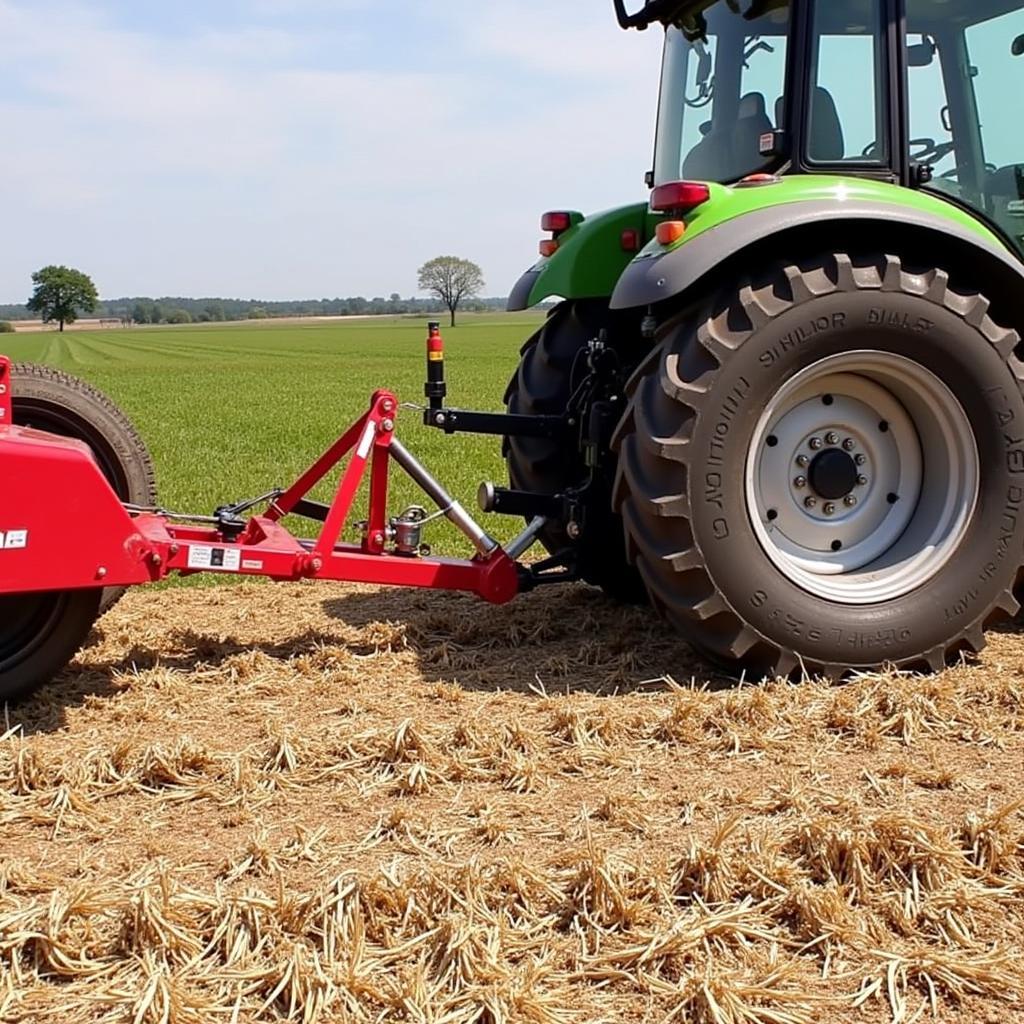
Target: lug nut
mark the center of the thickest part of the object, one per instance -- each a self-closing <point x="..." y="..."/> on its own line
<point x="815" y="443"/>
<point x="862" y="481"/>
<point x="800" y="481"/>
<point x="849" y="444"/>
<point x="802" y="461"/>
<point x="860" y="459"/>
<point x="810" y="502"/>
<point x="829" y="508"/>
<point x="832" y="438"/>
<point x="387" y="424"/>
<point x="849" y="501"/>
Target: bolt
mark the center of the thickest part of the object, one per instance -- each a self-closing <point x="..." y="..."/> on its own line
<point x="386" y="425"/>
<point x="101" y="572"/>
<point x="316" y="564"/>
<point x="849" y="501"/>
<point x="155" y="558"/>
<point x="849" y="444"/>
<point x="832" y="437"/>
<point x="439" y="419"/>
<point x="862" y="480"/>
<point x="173" y="550"/>
<point x="387" y="405"/>
<point x="829" y="508"/>
<point x="378" y="539"/>
<point x="810" y="502"/>
<point x="802" y="461"/>
<point x="800" y="481"/>
<point x="3" y="389"/>
<point x="573" y="530"/>
<point x="815" y="443"/>
<point x="860" y="459"/>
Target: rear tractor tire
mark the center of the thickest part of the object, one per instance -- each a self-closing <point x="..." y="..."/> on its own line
<point x="40" y="633"/>
<point x="542" y="385"/>
<point x="824" y="471"/>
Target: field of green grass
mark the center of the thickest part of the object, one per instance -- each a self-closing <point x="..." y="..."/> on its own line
<point x="229" y="411"/>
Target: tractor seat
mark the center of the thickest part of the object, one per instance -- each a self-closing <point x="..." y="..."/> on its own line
<point x="827" y="143"/>
<point x="752" y="123"/>
<point x="729" y="152"/>
<point x="826" y="130"/>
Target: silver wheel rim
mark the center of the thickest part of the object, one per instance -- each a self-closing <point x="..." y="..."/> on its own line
<point x="890" y="431"/>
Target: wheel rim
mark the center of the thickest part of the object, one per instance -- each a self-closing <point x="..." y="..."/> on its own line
<point x="862" y="477"/>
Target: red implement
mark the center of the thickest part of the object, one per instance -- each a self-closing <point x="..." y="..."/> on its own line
<point x="62" y="527"/>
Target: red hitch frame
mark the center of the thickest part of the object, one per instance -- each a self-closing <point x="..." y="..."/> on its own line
<point x="62" y="527"/>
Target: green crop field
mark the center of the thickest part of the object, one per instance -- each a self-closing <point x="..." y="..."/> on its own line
<point x="229" y="411"/>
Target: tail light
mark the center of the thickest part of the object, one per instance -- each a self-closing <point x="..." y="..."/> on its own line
<point x="679" y="196"/>
<point x="556" y="222"/>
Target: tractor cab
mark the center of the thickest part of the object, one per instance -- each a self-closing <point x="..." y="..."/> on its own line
<point x="837" y="86"/>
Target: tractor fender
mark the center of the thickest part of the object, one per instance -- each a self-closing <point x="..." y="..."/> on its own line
<point x="589" y="259"/>
<point x="776" y="231"/>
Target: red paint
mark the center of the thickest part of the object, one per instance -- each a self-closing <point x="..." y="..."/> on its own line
<point x="70" y="531"/>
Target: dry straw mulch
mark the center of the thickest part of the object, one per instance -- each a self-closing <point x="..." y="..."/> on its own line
<point x="342" y="804"/>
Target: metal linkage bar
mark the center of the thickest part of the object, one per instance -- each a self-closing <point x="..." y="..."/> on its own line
<point x="452" y="509"/>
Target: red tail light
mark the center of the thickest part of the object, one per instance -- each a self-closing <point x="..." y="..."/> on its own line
<point x="556" y="221"/>
<point x="630" y="240"/>
<point x="679" y="196"/>
<point x="548" y="247"/>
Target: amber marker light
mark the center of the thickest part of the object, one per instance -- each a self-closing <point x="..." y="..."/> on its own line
<point x="668" y="232"/>
<point x="548" y="247"/>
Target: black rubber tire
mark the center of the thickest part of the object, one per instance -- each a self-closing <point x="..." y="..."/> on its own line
<point x="542" y="386"/>
<point x="40" y="634"/>
<point x="707" y="384"/>
<point x="58" y="403"/>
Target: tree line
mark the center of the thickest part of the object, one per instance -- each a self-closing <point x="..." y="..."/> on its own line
<point x="168" y="309"/>
<point x="62" y="294"/>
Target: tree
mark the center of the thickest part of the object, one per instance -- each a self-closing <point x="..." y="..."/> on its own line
<point x="179" y="316"/>
<point x="451" y="279"/>
<point x="61" y="294"/>
<point x="141" y="313"/>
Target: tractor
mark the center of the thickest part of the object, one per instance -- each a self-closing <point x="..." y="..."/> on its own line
<point x="810" y="454"/>
<point x="781" y="400"/>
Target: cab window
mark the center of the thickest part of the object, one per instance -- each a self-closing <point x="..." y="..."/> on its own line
<point x="849" y="99"/>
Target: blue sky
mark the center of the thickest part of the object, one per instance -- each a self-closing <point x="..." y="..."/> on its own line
<point x="308" y="148"/>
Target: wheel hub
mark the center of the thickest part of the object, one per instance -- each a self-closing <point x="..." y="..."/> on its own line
<point x="832" y="473"/>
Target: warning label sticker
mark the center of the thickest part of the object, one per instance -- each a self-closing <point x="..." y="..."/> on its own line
<point x="214" y="559"/>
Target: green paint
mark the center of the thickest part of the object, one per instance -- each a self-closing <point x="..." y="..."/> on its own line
<point x="728" y="203"/>
<point x="590" y="258"/>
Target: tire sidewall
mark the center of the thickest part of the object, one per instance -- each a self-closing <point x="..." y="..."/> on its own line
<point x="985" y="562"/>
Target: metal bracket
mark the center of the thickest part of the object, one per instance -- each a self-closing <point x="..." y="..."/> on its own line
<point x="5" y="392"/>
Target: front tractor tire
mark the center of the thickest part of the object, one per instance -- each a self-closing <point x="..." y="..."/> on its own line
<point x="823" y="471"/>
<point x="40" y="633"/>
<point x="550" y="368"/>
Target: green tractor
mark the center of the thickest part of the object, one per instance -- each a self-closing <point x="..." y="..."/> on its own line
<point x="797" y="370"/>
